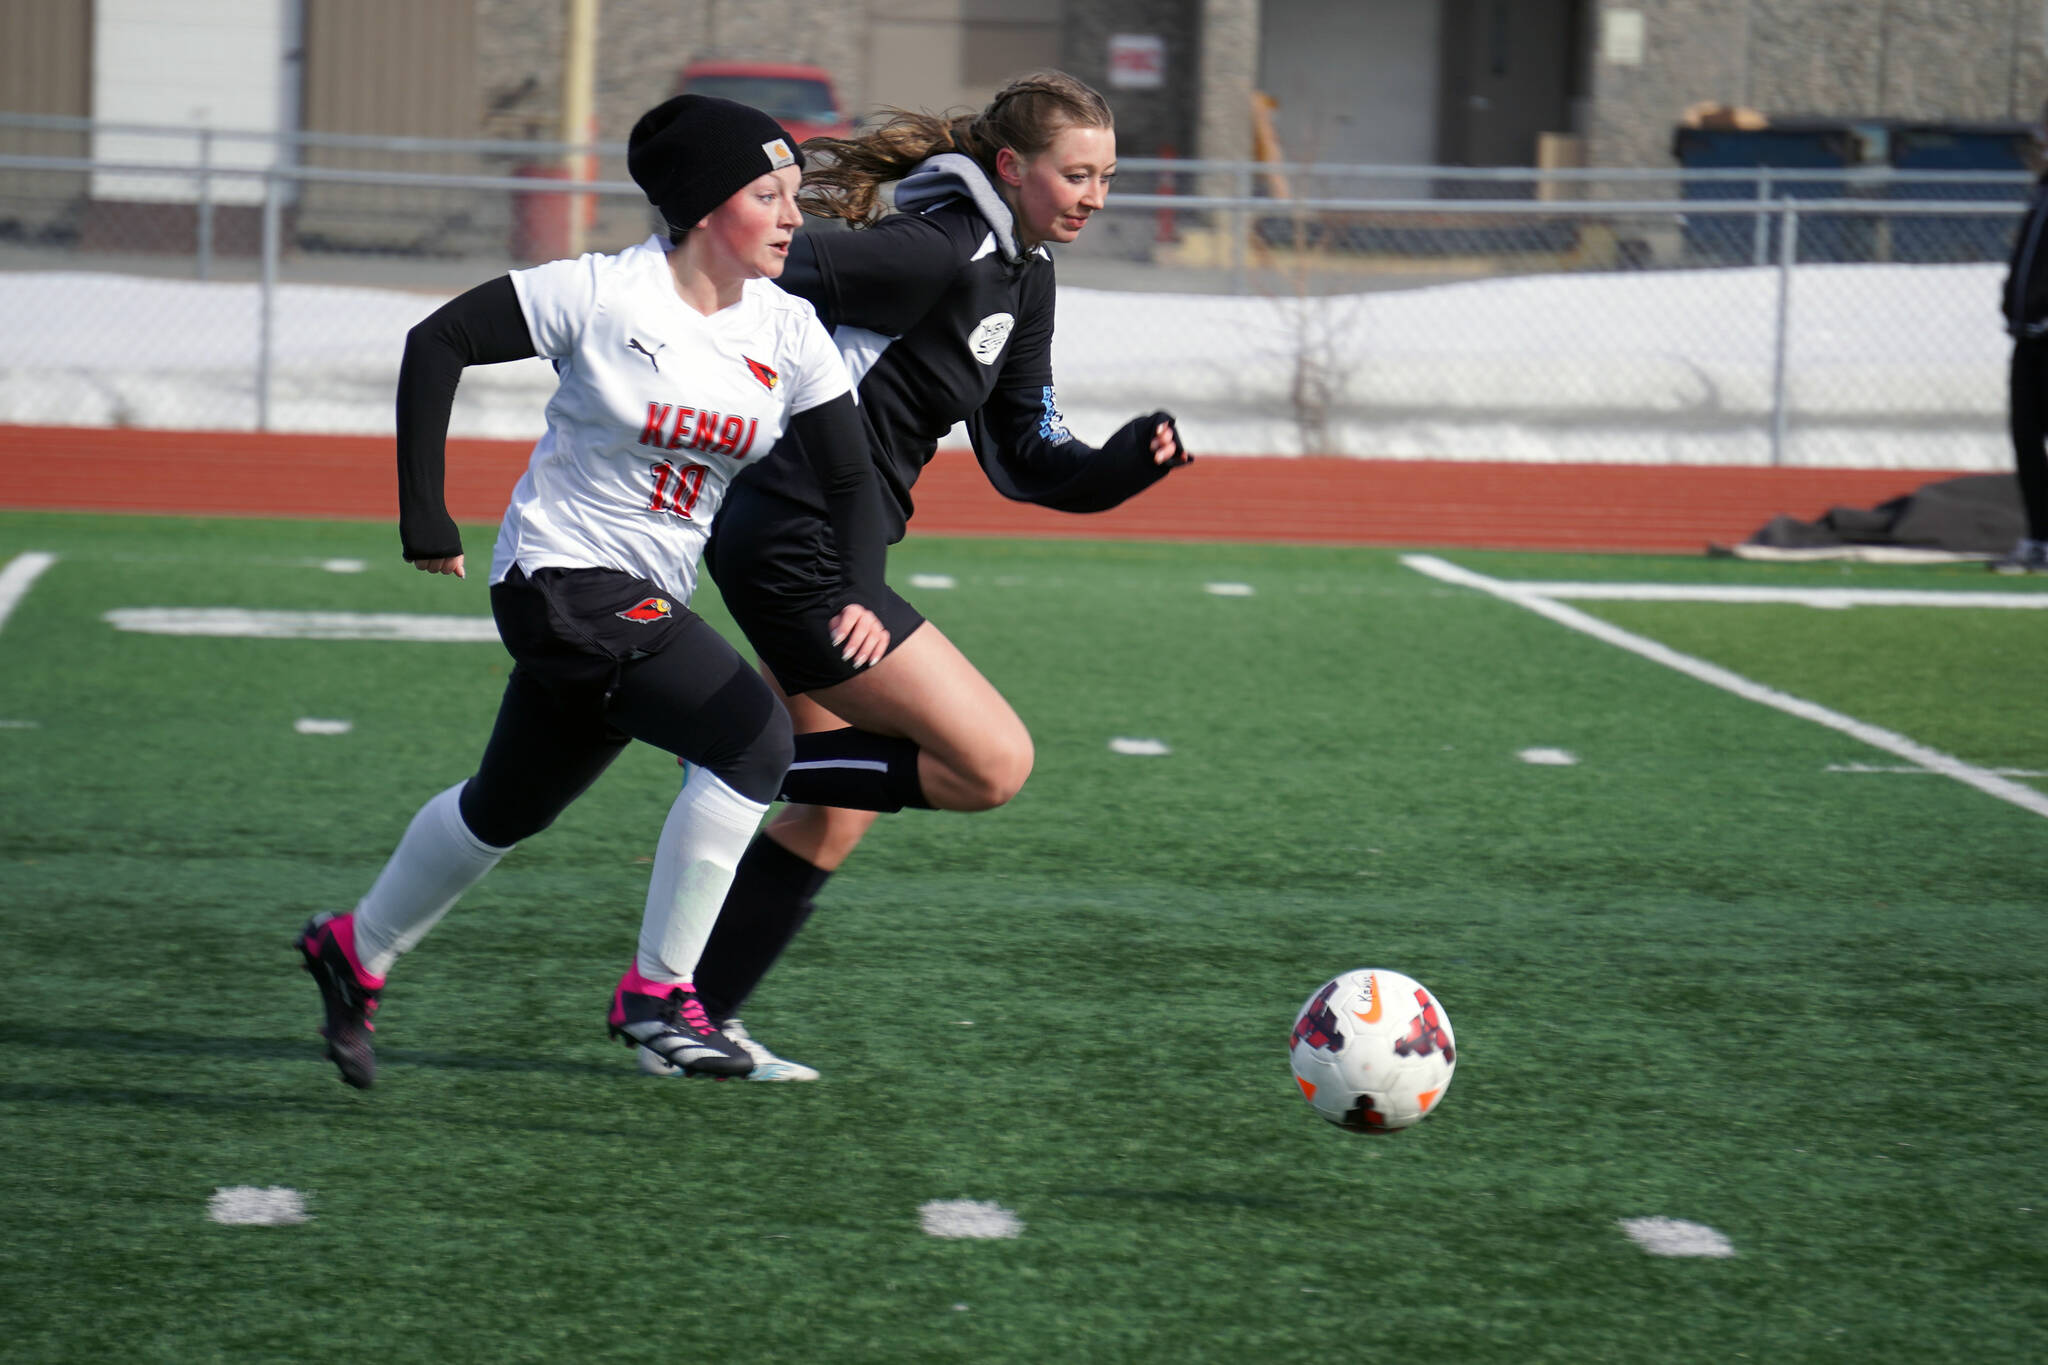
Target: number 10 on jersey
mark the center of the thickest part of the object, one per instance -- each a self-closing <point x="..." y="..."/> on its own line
<point x="676" y="490"/>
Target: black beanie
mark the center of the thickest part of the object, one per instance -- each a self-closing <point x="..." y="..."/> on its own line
<point x="692" y="153"/>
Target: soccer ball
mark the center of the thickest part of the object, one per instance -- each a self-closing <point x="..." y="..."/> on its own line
<point x="1372" y="1051"/>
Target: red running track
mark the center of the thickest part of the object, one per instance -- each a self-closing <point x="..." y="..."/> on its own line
<point x="1321" y="500"/>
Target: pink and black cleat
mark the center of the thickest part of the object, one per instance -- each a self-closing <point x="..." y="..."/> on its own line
<point x="667" y="1020"/>
<point x="328" y="943"/>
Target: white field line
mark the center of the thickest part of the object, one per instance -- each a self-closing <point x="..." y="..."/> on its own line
<point x="1825" y="598"/>
<point x="1922" y="772"/>
<point x="1878" y="738"/>
<point x="20" y="574"/>
<point x="304" y="625"/>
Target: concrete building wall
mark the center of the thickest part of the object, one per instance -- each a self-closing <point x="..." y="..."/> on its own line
<point x="1230" y="72"/>
<point x="1690" y="51"/>
<point x="1935" y="59"/>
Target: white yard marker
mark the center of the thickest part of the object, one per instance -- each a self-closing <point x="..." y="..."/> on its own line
<point x="343" y="565"/>
<point x="303" y="625"/>
<point x="311" y="725"/>
<point x="1522" y="595"/>
<point x="1227" y="589"/>
<point x="968" y="1218"/>
<point x="1676" y="1237"/>
<point x="20" y="725"/>
<point x="933" y="580"/>
<point x="1551" y="758"/>
<point x="255" y="1206"/>
<point x="20" y="574"/>
<point x="1152" y="747"/>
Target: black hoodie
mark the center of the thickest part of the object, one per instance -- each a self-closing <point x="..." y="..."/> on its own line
<point x="2026" y="282"/>
<point x="943" y="319"/>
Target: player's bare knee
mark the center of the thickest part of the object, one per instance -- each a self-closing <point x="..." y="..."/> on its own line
<point x="999" y="773"/>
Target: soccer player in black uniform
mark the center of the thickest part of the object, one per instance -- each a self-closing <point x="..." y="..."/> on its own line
<point x="2026" y="318"/>
<point x="944" y="311"/>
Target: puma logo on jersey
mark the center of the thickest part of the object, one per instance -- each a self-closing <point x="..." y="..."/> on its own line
<point x="986" y="341"/>
<point x="767" y="376"/>
<point x="633" y="343"/>
<point x="647" y="609"/>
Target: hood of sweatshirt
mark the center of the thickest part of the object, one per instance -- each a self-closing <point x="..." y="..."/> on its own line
<point x="955" y="175"/>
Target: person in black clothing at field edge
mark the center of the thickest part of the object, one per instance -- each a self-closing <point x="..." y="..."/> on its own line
<point x="944" y="311"/>
<point x="2026" y="318"/>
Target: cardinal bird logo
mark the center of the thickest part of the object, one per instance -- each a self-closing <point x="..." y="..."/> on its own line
<point x="647" y="609"/>
<point x="762" y="373"/>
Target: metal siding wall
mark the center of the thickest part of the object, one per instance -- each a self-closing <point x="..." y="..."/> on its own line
<point x="45" y="57"/>
<point x="394" y="68"/>
<point x="45" y="68"/>
<point x="406" y="68"/>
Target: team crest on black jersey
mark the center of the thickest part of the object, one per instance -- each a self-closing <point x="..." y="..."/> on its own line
<point x="647" y="609"/>
<point x="768" y="377"/>
<point x="988" y="337"/>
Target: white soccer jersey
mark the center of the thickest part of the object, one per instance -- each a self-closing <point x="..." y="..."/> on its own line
<point x="658" y="407"/>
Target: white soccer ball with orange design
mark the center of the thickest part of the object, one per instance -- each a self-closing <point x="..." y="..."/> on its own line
<point x="1372" y="1051"/>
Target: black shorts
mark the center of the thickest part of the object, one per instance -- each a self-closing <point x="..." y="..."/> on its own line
<point x="602" y="658"/>
<point x="777" y="568"/>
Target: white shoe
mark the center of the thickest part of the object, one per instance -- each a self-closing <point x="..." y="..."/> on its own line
<point x="2029" y="556"/>
<point x="767" y="1066"/>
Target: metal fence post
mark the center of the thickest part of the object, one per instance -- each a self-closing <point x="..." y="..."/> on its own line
<point x="1240" y="231"/>
<point x="1760" y="246"/>
<point x="1788" y="255"/>
<point x="205" y="242"/>
<point x="267" y="294"/>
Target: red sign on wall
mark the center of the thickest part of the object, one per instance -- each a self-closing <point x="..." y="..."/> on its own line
<point x="1137" y="61"/>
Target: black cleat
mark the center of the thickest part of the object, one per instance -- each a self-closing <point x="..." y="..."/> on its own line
<point x="328" y="945"/>
<point x="667" y="1022"/>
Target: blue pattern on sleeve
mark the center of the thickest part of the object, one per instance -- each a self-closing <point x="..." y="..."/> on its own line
<point x="1051" y="426"/>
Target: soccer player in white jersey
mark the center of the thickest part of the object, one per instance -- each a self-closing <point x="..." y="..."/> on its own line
<point x="680" y="365"/>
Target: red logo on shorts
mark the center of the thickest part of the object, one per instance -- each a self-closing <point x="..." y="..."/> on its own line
<point x="761" y="372"/>
<point x="647" y="609"/>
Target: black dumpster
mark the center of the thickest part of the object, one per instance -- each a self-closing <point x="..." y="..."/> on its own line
<point x="1957" y="147"/>
<point x="1784" y="145"/>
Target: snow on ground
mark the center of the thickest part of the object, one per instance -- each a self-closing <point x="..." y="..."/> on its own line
<point x="1886" y="366"/>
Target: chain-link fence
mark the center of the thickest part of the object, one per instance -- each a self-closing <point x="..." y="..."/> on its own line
<point x="181" y="279"/>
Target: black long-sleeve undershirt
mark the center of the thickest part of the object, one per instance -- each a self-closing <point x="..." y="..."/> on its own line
<point x="484" y="326"/>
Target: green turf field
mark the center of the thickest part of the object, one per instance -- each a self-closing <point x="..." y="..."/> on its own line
<point x="1729" y="966"/>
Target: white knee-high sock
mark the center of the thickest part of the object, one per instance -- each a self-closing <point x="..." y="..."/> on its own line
<point x="436" y="861"/>
<point x="707" y="830"/>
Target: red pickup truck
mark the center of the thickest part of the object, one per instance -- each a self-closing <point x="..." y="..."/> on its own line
<point x="798" y="96"/>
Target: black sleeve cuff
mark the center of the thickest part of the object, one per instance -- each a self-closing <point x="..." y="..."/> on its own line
<point x="834" y="441"/>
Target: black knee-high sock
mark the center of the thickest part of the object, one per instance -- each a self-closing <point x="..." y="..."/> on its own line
<point x="854" y="770"/>
<point x="771" y="897"/>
